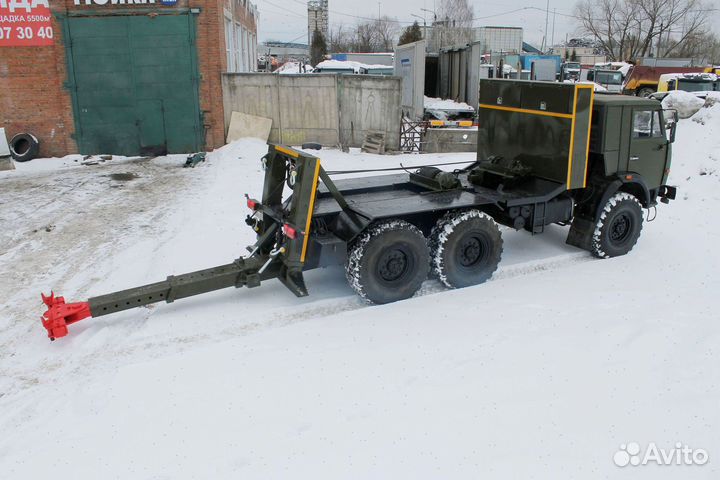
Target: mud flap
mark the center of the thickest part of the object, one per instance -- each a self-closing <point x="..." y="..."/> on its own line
<point x="581" y="232"/>
<point x="293" y="279"/>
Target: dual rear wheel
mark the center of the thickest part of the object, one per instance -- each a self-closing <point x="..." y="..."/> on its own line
<point x="391" y="260"/>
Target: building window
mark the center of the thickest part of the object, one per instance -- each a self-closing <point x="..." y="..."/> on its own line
<point x="240" y="48"/>
<point x="229" y="45"/>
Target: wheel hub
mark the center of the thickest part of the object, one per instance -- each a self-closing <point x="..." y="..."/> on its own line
<point x="470" y="252"/>
<point x="393" y="265"/>
<point x="620" y="228"/>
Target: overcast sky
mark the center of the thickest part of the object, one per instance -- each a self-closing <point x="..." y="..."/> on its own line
<point x="286" y="20"/>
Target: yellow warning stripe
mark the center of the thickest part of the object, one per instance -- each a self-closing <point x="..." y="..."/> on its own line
<point x="572" y="138"/>
<point x="287" y="151"/>
<point x="310" y="210"/>
<point x="526" y="110"/>
<point x="587" y="147"/>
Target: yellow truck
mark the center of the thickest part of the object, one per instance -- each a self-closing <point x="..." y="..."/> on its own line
<point x="643" y="80"/>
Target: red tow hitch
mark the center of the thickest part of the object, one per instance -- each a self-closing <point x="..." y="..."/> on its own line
<point x="60" y="314"/>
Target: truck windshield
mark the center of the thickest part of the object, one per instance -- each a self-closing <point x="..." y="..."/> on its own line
<point x="610" y="78"/>
<point x="695" y="86"/>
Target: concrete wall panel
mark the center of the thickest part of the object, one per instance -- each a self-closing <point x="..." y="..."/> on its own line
<point x="329" y="109"/>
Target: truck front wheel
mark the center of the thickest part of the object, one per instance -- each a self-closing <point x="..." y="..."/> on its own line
<point x="618" y="228"/>
<point x="388" y="262"/>
<point x="466" y="248"/>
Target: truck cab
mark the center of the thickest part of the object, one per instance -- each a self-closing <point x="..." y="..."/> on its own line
<point x="698" y="83"/>
<point x="611" y="80"/>
<point x="630" y="141"/>
<point x="570" y="71"/>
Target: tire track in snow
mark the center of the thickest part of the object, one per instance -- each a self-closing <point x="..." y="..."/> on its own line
<point x="130" y="350"/>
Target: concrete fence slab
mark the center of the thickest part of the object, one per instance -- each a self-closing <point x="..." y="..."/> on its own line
<point x="333" y="110"/>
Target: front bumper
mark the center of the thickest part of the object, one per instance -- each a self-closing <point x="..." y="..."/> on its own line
<point x="667" y="193"/>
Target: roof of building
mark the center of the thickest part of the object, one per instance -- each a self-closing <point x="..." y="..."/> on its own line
<point x="271" y="43"/>
<point x="529" y="48"/>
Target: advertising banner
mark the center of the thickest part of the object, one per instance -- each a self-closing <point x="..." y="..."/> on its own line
<point x="25" y="23"/>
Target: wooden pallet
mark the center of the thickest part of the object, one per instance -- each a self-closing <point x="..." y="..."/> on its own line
<point x="374" y="142"/>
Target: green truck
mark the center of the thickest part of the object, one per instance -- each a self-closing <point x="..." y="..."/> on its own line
<point x="548" y="153"/>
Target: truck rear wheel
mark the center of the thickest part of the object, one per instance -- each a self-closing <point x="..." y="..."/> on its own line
<point x="645" y="92"/>
<point x="466" y="248"/>
<point x="388" y="262"/>
<point x="618" y="228"/>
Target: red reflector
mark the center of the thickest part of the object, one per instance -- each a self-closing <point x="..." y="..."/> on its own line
<point x="289" y="231"/>
<point x="252" y="204"/>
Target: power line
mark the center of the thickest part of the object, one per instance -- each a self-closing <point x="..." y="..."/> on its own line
<point x="284" y="9"/>
<point x="474" y="19"/>
<point x="264" y="9"/>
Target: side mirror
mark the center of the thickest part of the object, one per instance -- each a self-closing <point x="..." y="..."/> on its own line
<point x="671" y="121"/>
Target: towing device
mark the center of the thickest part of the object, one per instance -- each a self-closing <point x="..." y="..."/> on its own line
<point x="548" y="153"/>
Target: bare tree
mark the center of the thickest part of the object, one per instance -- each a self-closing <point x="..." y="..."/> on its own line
<point x="702" y="46"/>
<point x="628" y="29"/>
<point x="387" y="30"/>
<point x="340" y="39"/>
<point x="370" y="36"/>
<point x="365" y="37"/>
<point x="453" y="25"/>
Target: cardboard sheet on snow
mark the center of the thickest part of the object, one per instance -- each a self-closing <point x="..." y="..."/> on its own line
<point x="243" y="125"/>
<point x="6" y="162"/>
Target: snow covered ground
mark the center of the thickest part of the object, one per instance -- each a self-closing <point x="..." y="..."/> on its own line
<point x="543" y="372"/>
<point x="440" y="104"/>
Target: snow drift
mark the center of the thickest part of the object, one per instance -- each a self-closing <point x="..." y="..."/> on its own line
<point x="685" y="103"/>
<point x="542" y="372"/>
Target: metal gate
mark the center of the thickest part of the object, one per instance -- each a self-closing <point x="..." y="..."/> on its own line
<point x="134" y="84"/>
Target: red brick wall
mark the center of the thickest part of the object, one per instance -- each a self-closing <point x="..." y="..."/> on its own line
<point x="33" y="99"/>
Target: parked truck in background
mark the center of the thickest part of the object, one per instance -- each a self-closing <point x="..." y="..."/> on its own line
<point x="643" y="81"/>
<point x="699" y="84"/>
<point x="570" y="71"/>
<point x="610" y="80"/>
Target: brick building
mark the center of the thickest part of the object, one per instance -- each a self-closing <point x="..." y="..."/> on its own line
<point x="121" y="76"/>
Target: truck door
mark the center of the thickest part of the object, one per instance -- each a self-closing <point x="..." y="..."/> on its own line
<point x="648" y="146"/>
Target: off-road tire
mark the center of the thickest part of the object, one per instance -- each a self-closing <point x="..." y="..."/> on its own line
<point x="388" y="262"/>
<point x="644" y="92"/>
<point x="466" y="248"/>
<point x="24" y="147"/>
<point x="619" y="226"/>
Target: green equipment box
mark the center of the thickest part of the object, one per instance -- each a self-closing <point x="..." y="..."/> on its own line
<point x="543" y="125"/>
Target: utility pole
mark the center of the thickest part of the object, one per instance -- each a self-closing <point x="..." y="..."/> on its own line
<point x="421" y="18"/>
<point x="552" y="43"/>
<point x="547" y="14"/>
